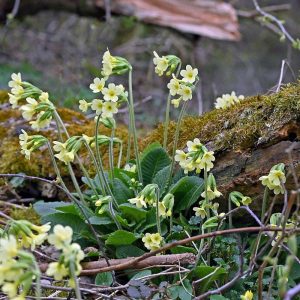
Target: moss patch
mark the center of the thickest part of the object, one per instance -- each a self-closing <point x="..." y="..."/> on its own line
<point x="256" y="120"/>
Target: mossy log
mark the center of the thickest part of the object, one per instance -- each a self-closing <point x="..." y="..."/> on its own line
<point x="248" y="139"/>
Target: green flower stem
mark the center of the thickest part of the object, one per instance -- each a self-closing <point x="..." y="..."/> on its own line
<point x="61" y="124"/>
<point x="230" y="215"/>
<point x="100" y="244"/>
<point x="264" y="204"/>
<point x="128" y="154"/>
<point x="106" y="184"/>
<point x="133" y="128"/>
<point x="77" y="289"/>
<point x="91" y="153"/>
<point x="208" y="211"/>
<point x="167" y="118"/>
<point x="120" y="155"/>
<point x="76" y="185"/>
<point x="111" y="154"/>
<point x="113" y="215"/>
<point x="157" y="212"/>
<point x="167" y="121"/>
<point x="38" y="292"/>
<point x="183" y="109"/>
<point x="87" y="176"/>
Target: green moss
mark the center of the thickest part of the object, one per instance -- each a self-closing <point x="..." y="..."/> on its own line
<point x="256" y="119"/>
<point x="28" y="213"/>
<point x="12" y="161"/>
<point x="3" y="97"/>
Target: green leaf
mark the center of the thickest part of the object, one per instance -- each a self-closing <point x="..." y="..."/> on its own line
<point x="123" y="175"/>
<point x="140" y="274"/>
<point x="121" y="237"/>
<point x="105" y="279"/>
<point x="217" y="273"/>
<point x="183" y="249"/>
<point x="131" y="212"/>
<point x="76" y="223"/>
<point x="153" y="161"/>
<point x="128" y="251"/>
<point x="43" y="208"/>
<point x="218" y="297"/>
<point x="186" y="192"/>
<point x="98" y="220"/>
<point x="161" y="178"/>
<point x="121" y="191"/>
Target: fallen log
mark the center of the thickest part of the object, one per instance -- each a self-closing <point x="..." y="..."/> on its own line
<point x="213" y="19"/>
<point x="92" y="268"/>
<point x="248" y="139"/>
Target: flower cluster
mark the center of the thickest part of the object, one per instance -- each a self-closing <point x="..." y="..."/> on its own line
<point x="71" y="255"/>
<point x="275" y="179"/>
<point x="238" y="198"/>
<point x="196" y="158"/>
<point x="112" y="95"/>
<point x="228" y="100"/>
<point x="165" y="207"/>
<point x="30" y="143"/>
<point x="210" y="194"/>
<point x="146" y="197"/>
<point x="152" y="241"/>
<point x="28" y="235"/>
<point x="165" y="64"/>
<point x="183" y="87"/>
<point x="38" y="109"/>
<point x="18" y="269"/>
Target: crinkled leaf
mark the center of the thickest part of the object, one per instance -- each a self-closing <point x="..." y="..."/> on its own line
<point x="121" y="237"/>
<point x="186" y="192"/>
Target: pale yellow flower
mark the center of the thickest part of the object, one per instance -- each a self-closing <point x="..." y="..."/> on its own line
<point x="176" y="102"/>
<point x="152" y="241"/>
<point x="185" y="92"/>
<point x="180" y="156"/>
<point x="16" y="80"/>
<point x="8" y="248"/>
<point x="130" y="168"/>
<point x="57" y="270"/>
<point x="109" y="108"/>
<point x="17" y="90"/>
<point x="83" y="105"/>
<point x="40" y="123"/>
<point x="161" y="64"/>
<point x="138" y="201"/>
<point x="61" y="236"/>
<point x="246" y="200"/>
<point x="200" y="212"/>
<point x="97" y="85"/>
<point x="247" y="296"/>
<point x="65" y="156"/>
<point x="28" y="110"/>
<point x="97" y="105"/>
<point x="211" y="194"/>
<point x="189" y="74"/>
<point x="112" y="92"/>
<point x="44" y="97"/>
<point x="174" y="86"/>
<point x="13" y="100"/>
<point x="194" y="145"/>
<point x="107" y="63"/>
<point x="10" y="288"/>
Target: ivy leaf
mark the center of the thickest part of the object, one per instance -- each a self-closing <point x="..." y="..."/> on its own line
<point x="121" y="237"/>
<point x="186" y="192"/>
<point x="104" y="279"/>
<point x="154" y="159"/>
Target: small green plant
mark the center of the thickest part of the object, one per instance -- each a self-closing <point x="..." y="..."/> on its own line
<point x="149" y="202"/>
